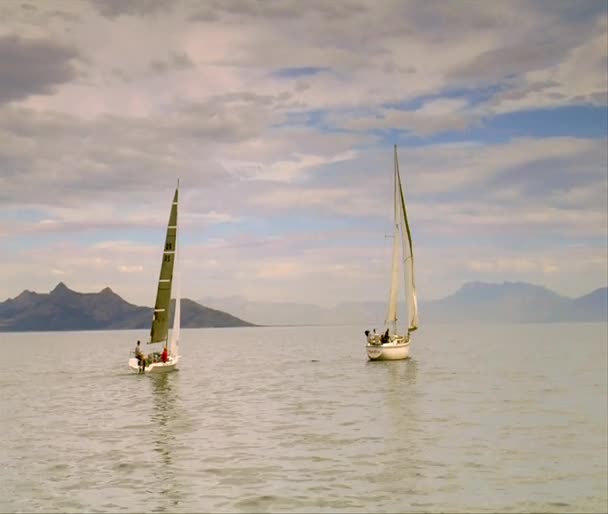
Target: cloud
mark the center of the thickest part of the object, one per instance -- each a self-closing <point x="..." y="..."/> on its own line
<point x="302" y="198"/>
<point x="304" y="71"/>
<point x="279" y="117"/>
<point x="371" y="54"/>
<point x="210" y="217"/>
<point x="279" y="270"/>
<point x="174" y="62"/>
<point x="69" y="159"/>
<point x="33" y="67"/>
<point x="116" y="8"/>
<point x="432" y="117"/>
<point x="502" y="265"/>
<point x="578" y="77"/>
<point x="130" y="269"/>
<point x="441" y="168"/>
<point x="284" y="171"/>
<point x="245" y="10"/>
<point x="570" y="271"/>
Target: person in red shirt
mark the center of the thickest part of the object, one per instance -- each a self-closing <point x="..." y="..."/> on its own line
<point x="165" y="355"/>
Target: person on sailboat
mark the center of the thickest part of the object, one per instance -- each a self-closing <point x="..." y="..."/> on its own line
<point x="141" y="360"/>
<point x="137" y="352"/>
<point x="384" y="337"/>
<point x="165" y="355"/>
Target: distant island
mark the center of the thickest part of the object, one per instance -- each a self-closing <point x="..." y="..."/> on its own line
<point x="507" y="302"/>
<point x="64" y="309"/>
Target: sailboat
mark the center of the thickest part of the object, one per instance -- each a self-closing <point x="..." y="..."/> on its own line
<point x="394" y="344"/>
<point x="159" y="331"/>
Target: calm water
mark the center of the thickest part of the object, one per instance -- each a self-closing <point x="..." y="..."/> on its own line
<point x="482" y="418"/>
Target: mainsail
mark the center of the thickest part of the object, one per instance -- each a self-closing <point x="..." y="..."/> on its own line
<point x="160" y="319"/>
<point x="402" y="228"/>
<point x="408" y="255"/>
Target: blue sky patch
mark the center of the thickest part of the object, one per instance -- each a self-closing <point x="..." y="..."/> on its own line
<point x="297" y="72"/>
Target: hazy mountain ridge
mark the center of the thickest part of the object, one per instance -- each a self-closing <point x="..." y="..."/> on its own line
<point x="64" y="309"/>
<point x="509" y="302"/>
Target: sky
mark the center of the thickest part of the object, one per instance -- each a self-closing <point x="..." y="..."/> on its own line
<point x="279" y="119"/>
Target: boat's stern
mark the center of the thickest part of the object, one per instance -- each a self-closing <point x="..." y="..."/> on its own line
<point x="134" y="365"/>
<point x="374" y="351"/>
<point x="154" y="367"/>
<point x="388" y="351"/>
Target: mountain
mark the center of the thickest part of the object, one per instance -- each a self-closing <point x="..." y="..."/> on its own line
<point x="514" y="302"/>
<point x="519" y="302"/>
<point x="509" y="302"/>
<point x="64" y="309"/>
<point x="592" y="306"/>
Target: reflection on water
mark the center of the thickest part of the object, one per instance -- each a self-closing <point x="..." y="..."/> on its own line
<point x="403" y="374"/>
<point x="163" y="417"/>
<point x="403" y="421"/>
<point x="164" y="409"/>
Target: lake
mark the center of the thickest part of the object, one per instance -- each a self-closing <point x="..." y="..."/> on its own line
<point x="482" y="418"/>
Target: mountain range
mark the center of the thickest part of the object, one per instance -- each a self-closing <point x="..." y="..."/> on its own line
<point x="509" y="302"/>
<point x="64" y="309"/>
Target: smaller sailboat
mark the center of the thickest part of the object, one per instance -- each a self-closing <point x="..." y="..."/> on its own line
<point x="393" y="344"/>
<point x="165" y="359"/>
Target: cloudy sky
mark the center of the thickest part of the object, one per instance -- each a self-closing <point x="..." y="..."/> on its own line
<point x="279" y="119"/>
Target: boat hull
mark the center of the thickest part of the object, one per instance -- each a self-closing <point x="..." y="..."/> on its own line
<point x="154" y="368"/>
<point x="388" y="351"/>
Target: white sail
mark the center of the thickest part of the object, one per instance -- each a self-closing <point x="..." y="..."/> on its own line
<point x="408" y="257"/>
<point x="392" y="299"/>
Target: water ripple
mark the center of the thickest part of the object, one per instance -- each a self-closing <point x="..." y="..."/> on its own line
<point x="496" y="422"/>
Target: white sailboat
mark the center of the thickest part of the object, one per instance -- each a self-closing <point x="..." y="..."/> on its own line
<point x="159" y="331"/>
<point x="391" y="344"/>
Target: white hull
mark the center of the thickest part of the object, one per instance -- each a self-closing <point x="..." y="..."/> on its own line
<point x="393" y="351"/>
<point x="154" y="368"/>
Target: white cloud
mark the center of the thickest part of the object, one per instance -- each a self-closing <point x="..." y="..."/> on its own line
<point x="130" y="269"/>
<point x="375" y="52"/>
<point x="432" y="117"/>
<point x="210" y="217"/>
<point x="512" y="265"/>
<point x="134" y="95"/>
<point x="284" y="170"/>
<point x="579" y="78"/>
<point x="443" y="167"/>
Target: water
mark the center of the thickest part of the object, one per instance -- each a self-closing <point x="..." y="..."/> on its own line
<point x="481" y="419"/>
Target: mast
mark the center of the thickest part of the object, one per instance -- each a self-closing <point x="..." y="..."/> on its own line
<point x="391" y="318"/>
<point x="175" y="332"/>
